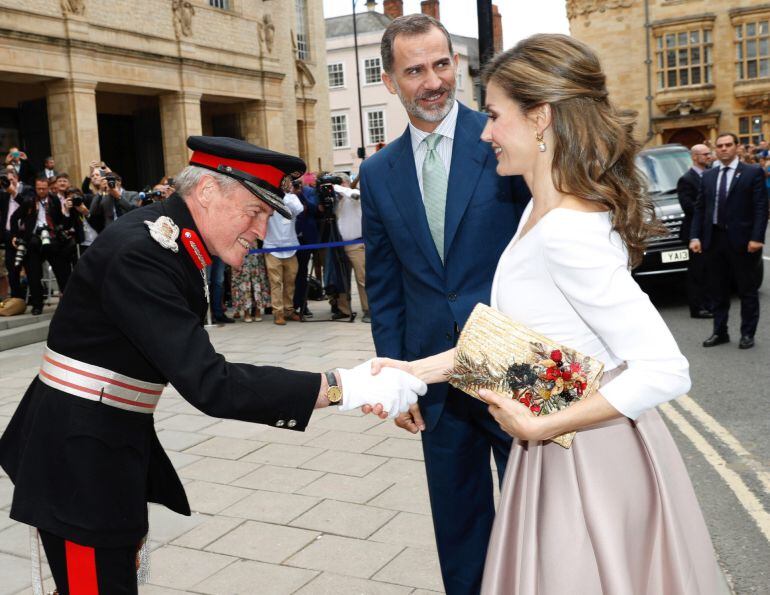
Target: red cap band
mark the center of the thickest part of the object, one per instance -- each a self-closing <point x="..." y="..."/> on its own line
<point x="268" y="173"/>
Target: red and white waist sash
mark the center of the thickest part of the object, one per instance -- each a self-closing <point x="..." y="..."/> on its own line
<point x="98" y="384"/>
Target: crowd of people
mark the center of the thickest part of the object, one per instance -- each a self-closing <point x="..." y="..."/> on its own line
<point x="48" y="219"/>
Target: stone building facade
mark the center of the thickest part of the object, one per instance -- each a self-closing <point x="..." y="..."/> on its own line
<point x="126" y="81"/>
<point x="691" y="68"/>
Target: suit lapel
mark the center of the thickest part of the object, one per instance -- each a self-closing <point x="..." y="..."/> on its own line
<point x="468" y="157"/>
<point x="736" y="177"/>
<point x="405" y="189"/>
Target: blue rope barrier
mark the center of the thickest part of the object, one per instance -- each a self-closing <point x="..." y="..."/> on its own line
<point x="306" y="247"/>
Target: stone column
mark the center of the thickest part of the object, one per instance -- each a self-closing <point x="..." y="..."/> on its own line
<point x="73" y="126"/>
<point x="253" y="123"/>
<point x="275" y="131"/>
<point x="180" y="117"/>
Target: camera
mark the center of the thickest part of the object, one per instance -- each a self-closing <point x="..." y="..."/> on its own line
<point x="149" y="196"/>
<point x="112" y="180"/>
<point x="21" y="252"/>
<point x="75" y="196"/>
<point x="45" y="235"/>
<point x="327" y="197"/>
<point x="5" y="181"/>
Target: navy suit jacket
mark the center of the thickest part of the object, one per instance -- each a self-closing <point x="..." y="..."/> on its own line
<point x="417" y="303"/>
<point x="746" y="207"/>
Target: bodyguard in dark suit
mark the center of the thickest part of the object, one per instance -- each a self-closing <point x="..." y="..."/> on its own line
<point x="728" y="226"/>
<point x="687" y="191"/>
<point x="81" y="448"/>
<point x="436" y="219"/>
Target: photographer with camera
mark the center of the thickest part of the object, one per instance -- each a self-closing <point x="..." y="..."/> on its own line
<point x="348" y="213"/>
<point x="112" y="200"/>
<point x="78" y="206"/>
<point x="10" y="201"/>
<point x="38" y="232"/>
<point x="17" y="159"/>
<point x="282" y="266"/>
<point x="307" y="233"/>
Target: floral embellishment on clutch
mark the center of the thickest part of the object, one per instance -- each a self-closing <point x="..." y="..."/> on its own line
<point x="499" y="354"/>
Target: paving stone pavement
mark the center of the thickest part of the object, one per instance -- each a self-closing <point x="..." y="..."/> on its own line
<point x="341" y="508"/>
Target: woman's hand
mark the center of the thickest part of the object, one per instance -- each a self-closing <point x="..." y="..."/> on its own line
<point x="514" y="418"/>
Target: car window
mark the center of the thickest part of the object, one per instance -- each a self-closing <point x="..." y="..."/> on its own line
<point x="662" y="169"/>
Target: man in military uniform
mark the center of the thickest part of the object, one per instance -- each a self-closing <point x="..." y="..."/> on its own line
<point x="81" y="448"/>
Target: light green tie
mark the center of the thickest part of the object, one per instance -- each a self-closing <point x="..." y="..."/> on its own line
<point x="434" y="186"/>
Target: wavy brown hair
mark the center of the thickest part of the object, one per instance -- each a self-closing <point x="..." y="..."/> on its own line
<point x="594" y="147"/>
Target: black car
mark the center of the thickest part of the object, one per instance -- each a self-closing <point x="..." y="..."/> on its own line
<point x="662" y="167"/>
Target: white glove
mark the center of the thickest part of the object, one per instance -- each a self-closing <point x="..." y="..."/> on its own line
<point x="394" y="389"/>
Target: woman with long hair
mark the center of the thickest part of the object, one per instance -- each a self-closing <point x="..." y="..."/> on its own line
<point x="615" y="513"/>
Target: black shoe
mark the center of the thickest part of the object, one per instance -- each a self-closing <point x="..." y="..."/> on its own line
<point x="224" y="319"/>
<point x="746" y="342"/>
<point x="716" y="340"/>
<point x="307" y="313"/>
<point x="339" y="316"/>
<point x="703" y="313"/>
<point x="39" y="311"/>
<point x="366" y="318"/>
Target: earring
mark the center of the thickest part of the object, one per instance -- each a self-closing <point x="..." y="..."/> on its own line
<point x="540" y="142"/>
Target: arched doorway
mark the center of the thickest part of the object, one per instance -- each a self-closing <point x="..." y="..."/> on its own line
<point x="687" y="137"/>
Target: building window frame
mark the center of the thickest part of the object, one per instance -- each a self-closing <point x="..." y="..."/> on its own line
<point x="684" y="55"/>
<point x="381" y="137"/>
<point x="220" y="4"/>
<point x="340" y="131"/>
<point x="751" y="35"/>
<point x="750" y="128"/>
<point x="302" y="34"/>
<point x="369" y="77"/>
<point x="340" y="72"/>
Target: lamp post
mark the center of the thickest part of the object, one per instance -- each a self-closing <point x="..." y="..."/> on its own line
<point x="486" y="38"/>
<point x="361" y="153"/>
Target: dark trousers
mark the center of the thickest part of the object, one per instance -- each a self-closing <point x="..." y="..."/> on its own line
<point x="461" y="489"/>
<point x="14" y="277"/>
<point x="725" y="267"/>
<point x="698" y="294"/>
<point x="217" y="282"/>
<point x="300" y="285"/>
<point x="59" y="256"/>
<point x="79" y="569"/>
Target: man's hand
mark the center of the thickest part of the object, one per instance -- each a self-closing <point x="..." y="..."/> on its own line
<point x="68" y="204"/>
<point x="695" y="246"/>
<point x="114" y="191"/>
<point x="411" y="421"/>
<point x="394" y="390"/>
<point x="755" y="246"/>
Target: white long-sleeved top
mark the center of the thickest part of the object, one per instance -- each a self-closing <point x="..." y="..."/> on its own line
<point x="281" y="231"/>
<point x="568" y="278"/>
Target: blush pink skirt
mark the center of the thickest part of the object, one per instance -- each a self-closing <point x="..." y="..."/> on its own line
<point x="615" y="514"/>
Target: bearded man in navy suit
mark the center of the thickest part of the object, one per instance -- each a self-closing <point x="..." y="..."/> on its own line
<point x="728" y="226"/>
<point x="436" y="219"/>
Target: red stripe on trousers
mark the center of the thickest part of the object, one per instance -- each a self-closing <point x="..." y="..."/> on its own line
<point x="81" y="569"/>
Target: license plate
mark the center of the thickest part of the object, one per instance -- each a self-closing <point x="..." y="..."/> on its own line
<point x="674" y="256"/>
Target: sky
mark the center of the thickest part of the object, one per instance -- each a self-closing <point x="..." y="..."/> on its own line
<point x="520" y="19"/>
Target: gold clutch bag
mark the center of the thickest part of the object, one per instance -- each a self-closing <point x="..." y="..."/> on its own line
<point x="499" y="354"/>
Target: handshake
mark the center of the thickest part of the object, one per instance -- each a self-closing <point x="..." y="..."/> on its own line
<point x="392" y="388"/>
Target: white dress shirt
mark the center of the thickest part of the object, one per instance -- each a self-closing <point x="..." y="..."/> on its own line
<point x="446" y="129"/>
<point x="568" y="279"/>
<point x="730" y="173"/>
<point x="282" y="231"/>
<point x="348" y="213"/>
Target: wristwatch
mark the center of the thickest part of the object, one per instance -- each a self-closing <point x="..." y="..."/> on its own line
<point x="334" y="393"/>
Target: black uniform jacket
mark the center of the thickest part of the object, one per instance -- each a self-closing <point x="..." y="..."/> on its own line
<point x="84" y="470"/>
